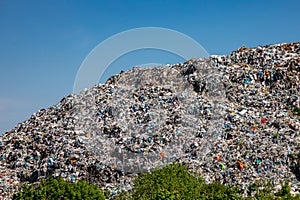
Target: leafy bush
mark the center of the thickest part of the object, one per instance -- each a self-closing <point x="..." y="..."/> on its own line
<point x="175" y="182"/>
<point x="264" y="193"/>
<point x="169" y="183"/>
<point x="57" y="188"/>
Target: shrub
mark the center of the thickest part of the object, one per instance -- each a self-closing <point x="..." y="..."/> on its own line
<point x="175" y="182"/>
<point x="57" y="188"/>
<point x="264" y="193"/>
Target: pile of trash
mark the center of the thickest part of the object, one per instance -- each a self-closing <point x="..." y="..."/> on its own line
<point x="230" y="118"/>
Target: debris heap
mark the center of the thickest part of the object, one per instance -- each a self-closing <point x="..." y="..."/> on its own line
<point x="232" y="118"/>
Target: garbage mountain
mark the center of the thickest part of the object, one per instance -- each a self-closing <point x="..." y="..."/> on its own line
<point x="232" y="118"/>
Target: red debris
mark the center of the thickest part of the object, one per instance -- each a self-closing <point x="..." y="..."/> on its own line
<point x="241" y="166"/>
<point x="162" y="154"/>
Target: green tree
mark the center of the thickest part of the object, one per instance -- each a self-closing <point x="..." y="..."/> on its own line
<point x="175" y="182"/>
<point x="57" y="188"/>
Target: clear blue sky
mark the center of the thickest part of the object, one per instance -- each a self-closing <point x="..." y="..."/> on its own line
<point x="43" y="43"/>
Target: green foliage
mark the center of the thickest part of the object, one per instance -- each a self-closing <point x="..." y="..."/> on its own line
<point x="167" y="183"/>
<point x="218" y="191"/>
<point x="285" y="192"/>
<point x="175" y="182"/>
<point x="264" y="193"/>
<point x="52" y="189"/>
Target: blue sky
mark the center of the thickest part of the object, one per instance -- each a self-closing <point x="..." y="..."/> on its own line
<point x="43" y="43"/>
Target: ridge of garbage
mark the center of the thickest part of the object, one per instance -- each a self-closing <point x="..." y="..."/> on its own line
<point x="256" y="137"/>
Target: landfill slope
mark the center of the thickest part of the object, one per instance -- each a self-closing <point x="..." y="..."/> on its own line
<point x="230" y="118"/>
